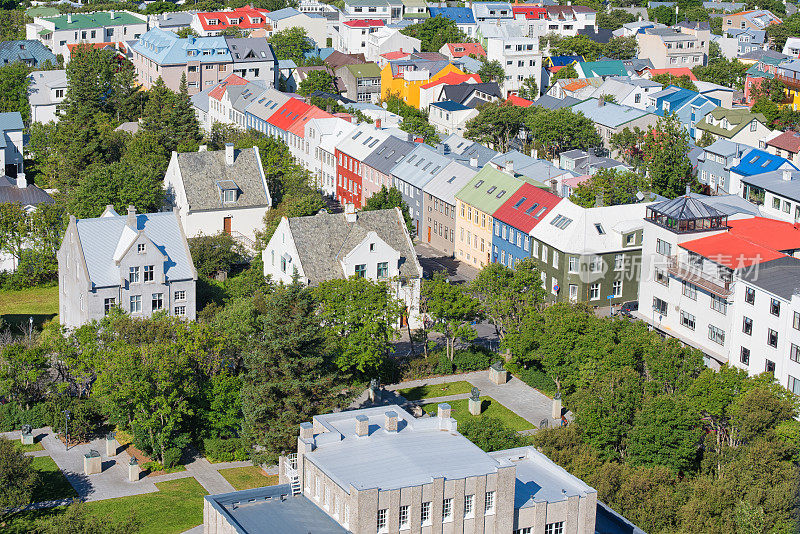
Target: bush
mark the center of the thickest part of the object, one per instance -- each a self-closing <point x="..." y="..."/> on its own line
<point x="13" y="416"/>
<point x="226" y="450"/>
<point x="213" y="253"/>
<point x="490" y="434"/>
<point x="445" y="366"/>
<point x="420" y="367"/>
<point x="474" y="359"/>
<point x="172" y="456"/>
<point x="534" y="377"/>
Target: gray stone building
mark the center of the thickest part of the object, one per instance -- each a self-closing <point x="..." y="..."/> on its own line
<point x="380" y="470"/>
<point x="439" y="206"/>
<point x="138" y="262"/>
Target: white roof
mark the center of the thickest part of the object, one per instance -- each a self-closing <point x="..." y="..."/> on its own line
<point x="362" y="140"/>
<point x="42" y="81"/>
<point x="331" y="131"/>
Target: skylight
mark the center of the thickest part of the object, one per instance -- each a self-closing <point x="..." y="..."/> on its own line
<point x="480" y="183"/>
<point x="519" y="203"/>
<point x="541" y="212"/>
<point x="356" y="135"/>
<point x="450" y="181"/>
<point x="491" y="190"/>
<point x="501" y="193"/>
<point x="599" y="228"/>
<point x="533" y="207"/>
<point x="412" y="158"/>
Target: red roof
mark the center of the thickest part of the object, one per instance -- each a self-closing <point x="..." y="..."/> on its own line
<point x="530" y="12"/>
<point x="677" y="72"/>
<point x="519" y="101"/>
<point x="465" y="49"/>
<point x="747" y="242"/>
<point x="217" y="92"/>
<point x="288" y="113"/>
<point x="299" y="126"/>
<point x="395" y="55"/>
<point x="245" y="17"/>
<point x="788" y="140"/>
<point x="365" y="23"/>
<point x="452" y="78"/>
<point x="519" y="214"/>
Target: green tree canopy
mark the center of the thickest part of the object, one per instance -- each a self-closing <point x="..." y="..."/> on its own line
<point x="291" y="43"/>
<point x="17" y="477"/>
<point x="388" y="198"/>
<point x="496" y="125"/>
<point x="435" y="32"/>
<point x="561" y="129"/>
<point x="611" y="186"/>
<point x="317" y="80"/>
<point x="492" y="71"/>
<point x="665" y="151"/>
<point x="452" y="310"/>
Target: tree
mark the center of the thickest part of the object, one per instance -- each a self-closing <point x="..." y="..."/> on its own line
<point x="490" y="434"/>
<point x="76" y="519"/>
<point x="560" y="130"/>
<point x="435" y="32"/>
<point x="611" y="187"/>
<point x="579" y="45"/>
<point x="317" y="80"/>
<point x="14" y="84"/>
<point x="184" y="128"/>
<point x="419" y="125"/>
<point x="291" y="43"/>
<point x="17" y="477"/>
<point x="621" y="48"/>
<point x="705" y="140"/>
<point x="127" y="99"/>
<point x="723" y="72"/>
<point x="497" y="124"/>
<point x="492" y="71"/>
<point x="529" y="88"/>
<point x="778" y="33"/>
<point x="215" y="253"/>
<point x="14" y="229"/>
<point x="628" y="144"/>
<point x="387" y="199"/>
<point x="614" y="19"/>
<point x="183" y="33"/>
<point x="567" y="72"/>
<point x="452" y="310"/>
<point x="360" y="319"/>
<point x="157" y="115"/>
<point x="681" y="81"/>
<point x="90" y="79"/>
<point x="664" y="151"/>
<point x="665" y="432"/>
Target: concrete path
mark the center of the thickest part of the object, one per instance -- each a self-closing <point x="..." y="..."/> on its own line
<point x="207" y="474"/>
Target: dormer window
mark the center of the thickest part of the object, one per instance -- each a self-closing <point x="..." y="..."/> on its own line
<point x="228" y="190"/>
<point x="229" y="195"/>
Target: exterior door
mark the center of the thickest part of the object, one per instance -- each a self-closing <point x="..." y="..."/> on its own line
<point x="226" y="225"/>
<point x="429" y="234"/>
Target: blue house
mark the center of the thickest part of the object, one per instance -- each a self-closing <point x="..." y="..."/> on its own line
<point x="462" y="16"/>
<point x="715" y="163"/>
<point x="689" y="106"/>
<point x="756" y="162"/>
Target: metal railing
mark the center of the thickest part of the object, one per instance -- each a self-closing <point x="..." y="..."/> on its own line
<point x="698" y="277"/>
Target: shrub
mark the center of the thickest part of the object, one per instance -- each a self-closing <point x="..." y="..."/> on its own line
<point x="13" y="416"/>
<point x="420" y="367"/>
<point x="490" y="434"/>
<point x="445" y="366"/>
<point x="534" y="377"/>
<point x="172" y="456"/>
<point x="474" y="359"/>
<point x="226" y="450"/>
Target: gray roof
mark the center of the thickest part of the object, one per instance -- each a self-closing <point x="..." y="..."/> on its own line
<point x="773" y="181"/>
<point x="551" y="102"/>
<point x="729" y="204"/>
<point x="27" y="196"/>
<point x="200" y="100"/>
<point x="41" y="82"/>
<point x="244" y="50"/>
<point x="174" y="20"/>
<point x="780" y="276"/>
<point x="463" y="150"/>
<point x="11" y="120"/>
<point x="449" y="181"/>
<point x="686" y="208"/>
<point x="100" y="237"/>
<point x="28" y="51"/>
<point x="461" y="93"/>
<point x="726" y="148"/>
<point x="244" y="95"/>
<point x="758" y="54"/>
<point x="388" y="154"/>
<point x="273" y="510"/>
<point x="201" y="173"/>
<point x="323" y="239"/>
<point x="609" y="114"/>
<point x="131" y="127"/>
<point x="421" y="165"/>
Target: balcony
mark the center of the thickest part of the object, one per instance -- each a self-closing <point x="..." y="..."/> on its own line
<point x="690" y="273"/>
<point x="792" y="83"/>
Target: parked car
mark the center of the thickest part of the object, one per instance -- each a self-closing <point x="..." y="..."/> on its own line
<point x="628" y="307"/>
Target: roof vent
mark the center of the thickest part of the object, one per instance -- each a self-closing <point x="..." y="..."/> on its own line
<point x="362" y="425"/>
<point x="350" y="212"/>
<point x="473" y="161"/>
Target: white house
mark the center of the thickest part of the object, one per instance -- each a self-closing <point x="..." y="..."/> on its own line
<point x="517" y="53"/>
<point x="47" y="90"/>
<point x="96" y="27"/>
<point x="450" y="117"/>
<point x="322" y="136"/>
<point x="353" y="34"/>
<point x="329" y="246"/>
<point x="219" y="191"/>
<point x="385" y="40"/>
<point x="11" y="144"/>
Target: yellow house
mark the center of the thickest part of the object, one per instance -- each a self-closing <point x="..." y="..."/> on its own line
<point x="406" y="77"/>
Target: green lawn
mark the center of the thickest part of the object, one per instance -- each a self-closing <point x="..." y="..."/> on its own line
<point x="37" y="446"/>
<point x="52" y="483"/>
<point x="436" y="390"/>
<point x="41" y="303"/>
<point x="248" y="477"/>
<point x="491" y="408"/>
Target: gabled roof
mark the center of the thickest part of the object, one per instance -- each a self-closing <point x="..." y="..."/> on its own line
<point x="201" y="173"/>
<point x="780" y="276"/>
<point x="675" y="71"/>
<point x="788" y="140"/>
<point x="462" y="91"/>
<point x="737" y="118"/>
<point x="29" y="51"/>
<point x="758" y="162"/>
<point x="449" y="181"/>
<point x="299" y="126"/>
<point x="11" y="120"/>
<point x="421" y="165"/>
<point x="449" y="105"/>
<point x="364" y="23"/>
<point x="526" y="207"/>
<point x="609" y="114"/>
<point x="776" y="183"/>
<point x="362" y="141"/>
<point x="337" y="59"/>
<point x="288" y="113"/>
<point x="225" y="19"/>
<point x="245" y="49"/>
<point x="461" y="15"/>
<point x="388" y="154"/>
<point x="489" y="189"/>
<point x="519" y="101"/>
<point x="465" y="49"/>
<point x="26" y="196"/>
<point x="166" y="48"/>
<point x="219" y="89"/>
<point x="452" y="78"/>
<point x="550" y="102"/>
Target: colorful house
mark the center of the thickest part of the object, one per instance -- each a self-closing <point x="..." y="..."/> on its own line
<point x="405" y="77"/>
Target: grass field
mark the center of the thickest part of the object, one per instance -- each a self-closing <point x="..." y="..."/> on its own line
<point x="248" y="477"/>
<point x="436" y="390"/>
<point x="37" y="446"/>
<point x="16" y="307"/>
<point x="52" y="483"/>
<point x="491" y="408"/>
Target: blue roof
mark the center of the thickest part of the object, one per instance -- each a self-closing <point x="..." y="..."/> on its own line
<point x="287" y="64"/>
<point x="563" y="61"/>
<point x="449" y="105"/>
<point x="679" y="97"/>
<point x="10" y="120"/>
<point x="461" y="15"/>
<point x="29" y="51"/>
<point x="166" y="48"/>
<point x="758" y="162"/>
<point x="284" y="13"/>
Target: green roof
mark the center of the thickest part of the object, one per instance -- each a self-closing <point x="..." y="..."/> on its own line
<point x="81" y="21"/>
<point x="738" y="118"/>
<point x="755" y="72"/>
<point x="45" y="32"/>
<point x="603" y="68"/>
<point x="365" y="70"/>
<point x="416" y="15"/>
<point x="414" y="3"/>
<point x="483" y="190"/>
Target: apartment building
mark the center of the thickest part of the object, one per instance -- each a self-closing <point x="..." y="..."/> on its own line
<point x="362" y="82"/>
<point x="96" y="27"/>
<point x="688" y="106"/>
<point x="564" y="20"/>
<point x="671" y="47"/>
<point x="47" y="89"/>
<point x="245" y="18"/>
<point x="610" y="118"/>
<point x="322" y="136"/>
<point x="352" y="35"/>
<point x="462" y="16"/>
<point x="518" y="54"/>
<point x="776" y="193"/>
<point x="350" y="155"/>
<point x="379" y="164"/>
<point x="492" y="12"/>
<point x="388" y="11"/>
<point x="387" y="40"/>
<point x="627" y="92"/>
<point x="439" y="204"/>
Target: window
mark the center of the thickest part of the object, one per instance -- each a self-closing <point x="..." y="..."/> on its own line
<point x="361" y="270"/>
<point x="489" y="502"/>
<point x="469" y="506"/>
<point x="180" y="295"/>
<point x="573" y="292"/>
<point x="775" y="307"/>
<point x="136" y="303"/>
<point x="793" y="385"/>
<point x="382" y="520"/>
<point x="327" y="500"/>
<point x="662" y="247"/>
<point x="525" y="530"/>
<point x="689" y="290"/>
<point x="554" y="528"/>
<point x="425" y="513"/>
<point x="796" y="321"/>
<point x="776" y="203"/>
<point x="794" y="353"/>
<point x="599" y="228"/>
<point x="687" y="320"/>
<point x="447" y="510"/>
<point x="716" y="335"/>
<point x="383" y="270"/>
<point x="661" y="277"/>
<point x="148" y="273"/>
<point x="133" y="275"/>
<point x="744" y="356"/>
<point x="544" y="254"/>
<point x="229" y="195"/>
<point x="141" y="248"/>
<point x="555" y="259"/>
<point x="630" y="239"/>
<point x="770" y="367"/>
<point x="180" y="311"/>
<point x="596" y="265"/>
<point x="616" y="288"/>
<point x="619" y="261"/>
<point x="573" y="264"/>
<point x="535" y="252"/>
<point x="659" y="306"/>
<point x="749" y="295"/>
<point x="317" y="487"/>
<point x="719" y="304"/>
<point x="403" y="522"/>
<point x="594" y="291"/>
<point x="346" y="521"/>
<point x="108" y="304"/>
<point x="747" y="326"/>
<point x="772" y="338"/>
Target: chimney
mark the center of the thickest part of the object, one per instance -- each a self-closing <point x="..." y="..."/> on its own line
<point x="410" y="137"/>
<point x="112" y="14"/>
<point x="378" y="124"/>
<point x="131" y="220"/>
<point x="440" y="149"/>
<point x="203" y="148"/>
<point x="535" y="154"/>
<point x="688" y="190"/>
<point x="390" y="421"/>
<point x="787" y="176"/>
<point x="362" y="425"/>
<point x="443" y="411"/>
<point x="510" y="167"/>
<point x="601" y="101"/>
<point x="306" y="431"/>
<point x="350" y="212"/>
<point x="69" y="18"/>
<point x="228" y="153"/>
<point x="22" y="182"/>
<point x="473" y="161"/>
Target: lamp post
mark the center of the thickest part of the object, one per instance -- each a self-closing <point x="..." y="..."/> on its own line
<point x="66" y="433"/>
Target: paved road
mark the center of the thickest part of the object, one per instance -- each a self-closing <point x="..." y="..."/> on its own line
<point x="433" y="260"/>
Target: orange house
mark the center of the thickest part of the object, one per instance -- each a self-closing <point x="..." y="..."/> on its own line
<point x="405" y="77"/>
